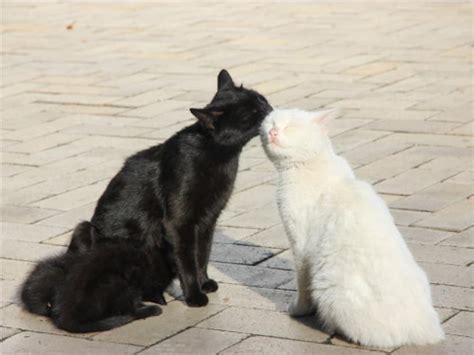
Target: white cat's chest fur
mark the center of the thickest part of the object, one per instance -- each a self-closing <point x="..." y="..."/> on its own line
<point x="305" y="197"/>
<point x="295" y="203"/>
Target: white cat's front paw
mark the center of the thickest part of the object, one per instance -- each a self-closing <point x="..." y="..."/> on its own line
<point x="299" y="309"/>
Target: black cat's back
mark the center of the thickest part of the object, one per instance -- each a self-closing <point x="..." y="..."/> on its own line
<point x="131" y="203"/>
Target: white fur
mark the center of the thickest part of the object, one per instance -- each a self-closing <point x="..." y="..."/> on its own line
<point x="353" y="266"/>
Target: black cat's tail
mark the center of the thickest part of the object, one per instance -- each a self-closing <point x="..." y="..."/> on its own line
<point x="39" y="289"/>
<point x="73" y="326"/>
<point x="98" y="326"/>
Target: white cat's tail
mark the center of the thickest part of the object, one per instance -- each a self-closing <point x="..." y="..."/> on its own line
<point x="377" y="329"/>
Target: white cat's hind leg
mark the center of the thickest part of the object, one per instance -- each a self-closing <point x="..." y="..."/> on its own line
<point x="302" y="304"/>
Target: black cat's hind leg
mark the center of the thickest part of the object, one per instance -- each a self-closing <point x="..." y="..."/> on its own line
<point x="83" y="238"/>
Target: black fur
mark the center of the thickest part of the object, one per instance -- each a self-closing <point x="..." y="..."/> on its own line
<point x="171" y="195"/>
<point x="97" y="288"/>
<point x="39" y="290"/>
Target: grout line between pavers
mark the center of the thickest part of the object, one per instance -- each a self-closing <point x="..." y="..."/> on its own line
<point x="69" y="335"/>
<point x="438" y="228"/>
<point x="80" y="104"/>
<point x="445" y="239"/>
<point x="65" y="191"/>
<point x="460" y="335"/>
<point x="269" y="257"/>
<point x="55" y="236"/>
<point x="451" y="285"/>
<point x="182" y="330"/>
<point x="7" y="337"/>
<point x="355" y="345"/>
<point x="230" y="346"/>
<point x="452" y="316"/>
<point x="325" y="342"/>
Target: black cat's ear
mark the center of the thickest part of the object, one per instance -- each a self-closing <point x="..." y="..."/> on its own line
<point x="205" y="116"/>
<point x="224" y="80"/>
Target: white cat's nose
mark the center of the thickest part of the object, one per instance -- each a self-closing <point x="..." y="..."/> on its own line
<point x="273" y="133"/>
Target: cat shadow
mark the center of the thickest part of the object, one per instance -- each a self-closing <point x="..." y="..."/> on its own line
<point x="282" y="297"/>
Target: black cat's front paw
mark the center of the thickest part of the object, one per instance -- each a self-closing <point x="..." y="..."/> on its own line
<point x="210" y="286"/>
<point x="197" y="300"/>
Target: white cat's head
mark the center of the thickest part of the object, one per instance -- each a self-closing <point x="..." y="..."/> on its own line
<point x="293" y="135"/>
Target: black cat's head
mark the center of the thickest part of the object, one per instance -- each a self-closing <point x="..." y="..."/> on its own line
<point x="234" y="115"/>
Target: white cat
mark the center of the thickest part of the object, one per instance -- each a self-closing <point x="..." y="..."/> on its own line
<point x="353" y="266"/>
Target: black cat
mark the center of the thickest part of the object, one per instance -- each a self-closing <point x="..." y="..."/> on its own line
<point x="171" y="194"/>
<point x="97" y="285"/>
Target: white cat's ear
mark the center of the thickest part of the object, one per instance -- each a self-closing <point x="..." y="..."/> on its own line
<point x="324" y="117"/>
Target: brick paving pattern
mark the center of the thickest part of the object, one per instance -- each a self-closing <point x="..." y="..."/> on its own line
<point x="85" y="85"/>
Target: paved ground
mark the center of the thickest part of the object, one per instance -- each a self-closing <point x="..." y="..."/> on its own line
<point x="84" y="86"/>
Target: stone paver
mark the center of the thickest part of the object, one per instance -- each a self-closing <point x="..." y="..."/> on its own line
<point x="252" y="297"/>
<point x="271" y="237"/>
<point x="442" y="254"/>
<point x="14" y="316"/>
<point x="86" y="84"/>
<point x="241" y="254"/>
<point x="456" y="217"/>
<point x="424" y="235"/>
<point x="461" y="324"/>
<point x="19" y="250"/>
<point x="453" y="345"/>
<point x="29" y="232"/>
<point x="177" y="318"/>
<point x="7" y="332"/>
<point x="196" y="341"/>
<point x="268" y="323"/>
<point x="453" y="297"/>
<point x="434" y="198"/>
<point x="270" y="345"/>
<point x="463" y="239"/>
<point x="449" y="274"/>
<point x="37" y="343"/>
